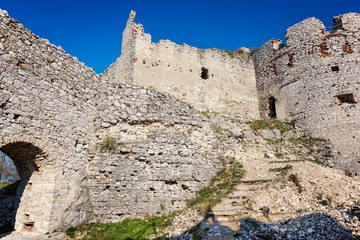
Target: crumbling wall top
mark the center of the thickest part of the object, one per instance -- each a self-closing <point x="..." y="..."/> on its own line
<point x="348" y="22"/>
<point x="131" y="17"/>
<point x="304" y="31"/>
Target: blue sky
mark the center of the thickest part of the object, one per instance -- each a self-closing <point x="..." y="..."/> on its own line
<point x="91" y="30"/>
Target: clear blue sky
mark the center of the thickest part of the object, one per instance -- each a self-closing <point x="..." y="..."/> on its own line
<point x="91" y="30"/>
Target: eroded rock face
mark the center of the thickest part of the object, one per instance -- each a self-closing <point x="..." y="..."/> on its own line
<point x="54" y="114"/>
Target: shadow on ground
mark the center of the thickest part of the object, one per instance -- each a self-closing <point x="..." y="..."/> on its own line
<point x="311" y="226"/>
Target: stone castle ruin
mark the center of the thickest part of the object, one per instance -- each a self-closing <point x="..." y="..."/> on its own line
<point x="55" y="112"/>
<point x="313" y="81"/>
<point x="209" y="79"/>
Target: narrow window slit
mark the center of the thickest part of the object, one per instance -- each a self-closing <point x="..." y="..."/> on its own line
<point x="272" y="107"/>
<point x="204" y="73"/>
<point x="335" y="68"/>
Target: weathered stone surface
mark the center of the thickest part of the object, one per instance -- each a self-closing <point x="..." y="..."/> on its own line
<point x="209" y="79"/>
<point x="55" y="112"/>
<point x="314" y="81"/>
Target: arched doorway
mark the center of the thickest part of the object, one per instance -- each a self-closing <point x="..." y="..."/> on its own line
<point x="9" y="181"/>
<point x="34" y="193"/>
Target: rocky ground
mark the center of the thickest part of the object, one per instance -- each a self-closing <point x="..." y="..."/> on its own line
<point x="289" y="191"/>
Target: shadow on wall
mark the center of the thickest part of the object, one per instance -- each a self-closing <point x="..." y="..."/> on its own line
<point x="24" y="155"/>
<point x="311" y="226"/>
<point x="8" y="201"/>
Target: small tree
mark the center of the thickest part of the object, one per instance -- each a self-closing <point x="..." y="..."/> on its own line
<point x="8" y="171"/>
<point x="108" y="144"/>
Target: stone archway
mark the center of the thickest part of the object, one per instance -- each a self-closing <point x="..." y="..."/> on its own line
<point x="35" y="193"/>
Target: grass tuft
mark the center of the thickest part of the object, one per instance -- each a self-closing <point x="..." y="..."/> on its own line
<point x="128" y="229"/>
<point x="108" y="144"/>
<point x="221" y="185"/>
<point x="283" y="127"/>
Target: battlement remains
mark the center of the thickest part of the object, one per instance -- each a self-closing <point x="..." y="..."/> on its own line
<point x="209" y="79"/>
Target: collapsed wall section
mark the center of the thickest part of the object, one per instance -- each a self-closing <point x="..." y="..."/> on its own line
<point x="209" y="79"/>
<point x="165" y="152"/>
<point x="312" y="81"/>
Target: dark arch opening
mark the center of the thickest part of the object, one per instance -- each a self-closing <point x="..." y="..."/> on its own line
<point x="9" y="182"/>
<point x="272" y="107"/>
<point x="26" y="158"/>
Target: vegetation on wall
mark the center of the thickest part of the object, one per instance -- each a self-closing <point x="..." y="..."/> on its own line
<point x="221" y="185"/>
<point x="154" y="227"/>
<point x="270" y="124"/>
<point x="108" y="144"/>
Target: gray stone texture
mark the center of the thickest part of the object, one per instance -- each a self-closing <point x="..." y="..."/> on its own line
<point x="55" y="112"/>
<point x="310" y="77"/>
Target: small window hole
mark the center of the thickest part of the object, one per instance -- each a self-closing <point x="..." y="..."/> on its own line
<point x="204" y="73"/>
<point x="28" y="226"/>
<point x="335" y="68"/>
<point x="345" y="98"/>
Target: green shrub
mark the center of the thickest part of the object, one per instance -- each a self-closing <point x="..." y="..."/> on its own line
<point x="108" y="144"/>
<point x="71" y="231"/>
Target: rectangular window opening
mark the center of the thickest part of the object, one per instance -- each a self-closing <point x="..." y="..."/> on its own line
<point x="335" y="68"/>
<point x="345" y="98"/>
<point x="28" y="226"/>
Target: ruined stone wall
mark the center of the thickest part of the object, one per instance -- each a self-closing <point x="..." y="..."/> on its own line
<point x="209" y="79"/>
<point x="47" y="105"/>
<point x="54" y="114"/>
<point x="166" y="152"/>
<point x="314" y="79"/>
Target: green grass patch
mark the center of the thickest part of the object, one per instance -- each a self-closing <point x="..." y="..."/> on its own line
<point x="217" y="129"/>
<point x="209" y="113"/>
<point x="315" y="148"/>
<point x="128" y="229"/>
<point x="221" y="185"/>
<point x="320" y="162"/>
<point x="308" y="142"/>
<point x="9" y="188"/>
<point x="283" y="127"/>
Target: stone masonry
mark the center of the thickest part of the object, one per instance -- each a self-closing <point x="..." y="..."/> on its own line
<point x="55" y="113"/>
<point x="209" y="79"/>
<point x="313" y="82"/>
